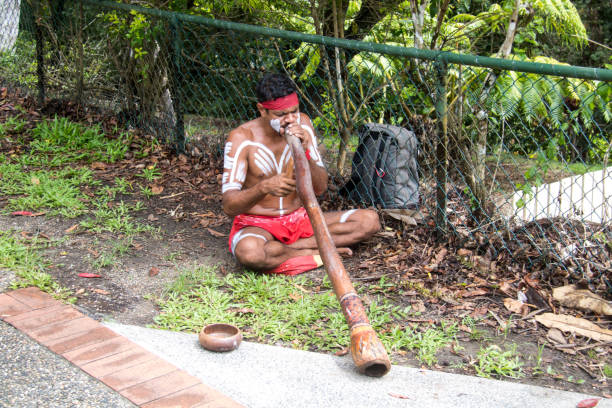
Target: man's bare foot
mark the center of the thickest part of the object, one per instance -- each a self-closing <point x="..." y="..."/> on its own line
<point x="345" y="251"/>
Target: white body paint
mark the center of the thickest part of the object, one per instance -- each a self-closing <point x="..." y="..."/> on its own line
<point x="346" y="215"/>
<point x="235" y="168"/>
<point x="240" y="235"/>
<point x="235" y="175"/>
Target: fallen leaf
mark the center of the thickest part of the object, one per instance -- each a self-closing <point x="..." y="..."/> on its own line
<point x="480" y="312"/>
<point x="472" y="293"/>
<point x="69" y="230"/>
<point x="151" y="217"/>
<point x="157" y="189"/>
<point x="80" y="291"/>
<point x="342" y="352"/>
<point x="534" y="283"/>
<point x="582" y="299"/>
<point x="556" y="336"/>
<point x="506" y="288"/>
<point x="295" y="297"/>
<point x="400" y="396"/>
<point x="89" y="275"/>
<point x="215" y="233"/>
<point x="93" y="252"/>
<point x="153" y="271"/>
<point x="516" y="306"/>
<point x="588" y="403"/>
<point x="23" y="213"/>
<point x="98" y="165"/>
<point x="464" y="252"/>
<point x="464" y="328"/>
<point x="440" y="256"/>
<point x="245" y="310"/>
<point x="101" y="291"/>
<point x="418" y="306"/>
<point x="575" y="325"/>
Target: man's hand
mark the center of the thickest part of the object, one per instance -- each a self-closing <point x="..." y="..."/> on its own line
<point x="298" y="131"/>
<point x="278" y="186"/>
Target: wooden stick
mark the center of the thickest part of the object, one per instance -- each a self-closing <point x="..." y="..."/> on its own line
<point x="367" y="351"/>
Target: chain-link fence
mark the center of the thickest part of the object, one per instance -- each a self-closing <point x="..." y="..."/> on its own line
<point x="504" y="153"/>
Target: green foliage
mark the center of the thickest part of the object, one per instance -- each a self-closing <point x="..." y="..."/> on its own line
<point x="12" y="125"/>
<point x="493" y="361"/>
<point x="150" y="173"/>
<point x="18" y="65"/>
<point x="21" y="255"/>
<point x="426" y="342"/>
<point x="116" y="219"/>
<point x="266" y="308"/>
<point x="57" y="191"/>
<point x="59" y="141"/>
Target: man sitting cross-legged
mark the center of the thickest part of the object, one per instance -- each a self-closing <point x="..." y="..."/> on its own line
<point x="271" y="230"/>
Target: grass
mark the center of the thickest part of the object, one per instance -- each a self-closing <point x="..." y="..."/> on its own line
<point x="12" y="125"/>
<point x="425" y="343"/>
<point x="59" y="141"/>
<point x="492" y="360"/>
<point x="21" y="256"/>
<point x="109" y="256"/>
<point x="150" y="173"/>
<point x="116" y="219"/>
<point x="286" y="312"/>
<point x="57" y="191"/>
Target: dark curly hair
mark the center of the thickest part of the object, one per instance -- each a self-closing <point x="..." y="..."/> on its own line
<point x="273" y="86"/>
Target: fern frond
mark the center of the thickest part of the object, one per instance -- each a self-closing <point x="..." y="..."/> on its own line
<point x="562" y="18"/>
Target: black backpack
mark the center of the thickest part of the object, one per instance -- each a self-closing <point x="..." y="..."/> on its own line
<point x="384" y="168"/>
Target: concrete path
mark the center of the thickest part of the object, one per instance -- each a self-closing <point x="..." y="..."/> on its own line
<point x="261" y="376"/>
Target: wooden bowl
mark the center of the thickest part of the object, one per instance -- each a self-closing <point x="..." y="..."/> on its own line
<point x="220" y="337"/>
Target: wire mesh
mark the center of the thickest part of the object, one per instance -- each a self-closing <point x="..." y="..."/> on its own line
<point x="517" y="159"/>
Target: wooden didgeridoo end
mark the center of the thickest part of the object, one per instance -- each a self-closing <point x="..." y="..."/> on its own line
<point x="368" y="352"/>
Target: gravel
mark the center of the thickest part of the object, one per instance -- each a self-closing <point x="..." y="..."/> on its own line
<point x="32" y="376"/>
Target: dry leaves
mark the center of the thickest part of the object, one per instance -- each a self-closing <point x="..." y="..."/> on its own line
<point x="153" y="271"/>
<point x="215" y="233"/>
<point x="575" y="325"/>
<point x="71" y="229"/>
<point x="582" y="299"/>
<point x="516" y="306"/>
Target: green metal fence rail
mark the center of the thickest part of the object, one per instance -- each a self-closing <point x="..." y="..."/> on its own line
<point x="512" y="155"/>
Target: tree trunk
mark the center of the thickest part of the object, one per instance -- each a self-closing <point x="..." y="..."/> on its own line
<point x="478" y="152"/>
<point x="418" y="20"/>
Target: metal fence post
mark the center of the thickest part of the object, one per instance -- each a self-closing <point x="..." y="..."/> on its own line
<point x="441" y="170"/>
<point x="175" y="84"/>
<point x="40" y="49"/>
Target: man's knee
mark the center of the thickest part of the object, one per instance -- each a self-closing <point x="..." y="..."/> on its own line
<point x="250" y="252"/>
<point x="370" y="222"/>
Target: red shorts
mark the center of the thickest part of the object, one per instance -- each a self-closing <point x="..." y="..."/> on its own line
<point x="286" y="228"/>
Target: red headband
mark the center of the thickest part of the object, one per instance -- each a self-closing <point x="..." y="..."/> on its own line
<point x="281" y="103"/>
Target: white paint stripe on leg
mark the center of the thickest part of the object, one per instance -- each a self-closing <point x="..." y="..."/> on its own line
<point x="346" y="215"/>
<point x="240" y="235"/>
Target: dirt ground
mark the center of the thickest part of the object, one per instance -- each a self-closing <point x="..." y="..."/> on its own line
<point x="442" y="280"/>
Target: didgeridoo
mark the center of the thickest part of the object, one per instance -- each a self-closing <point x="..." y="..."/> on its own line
<point x="367" y="351"/>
